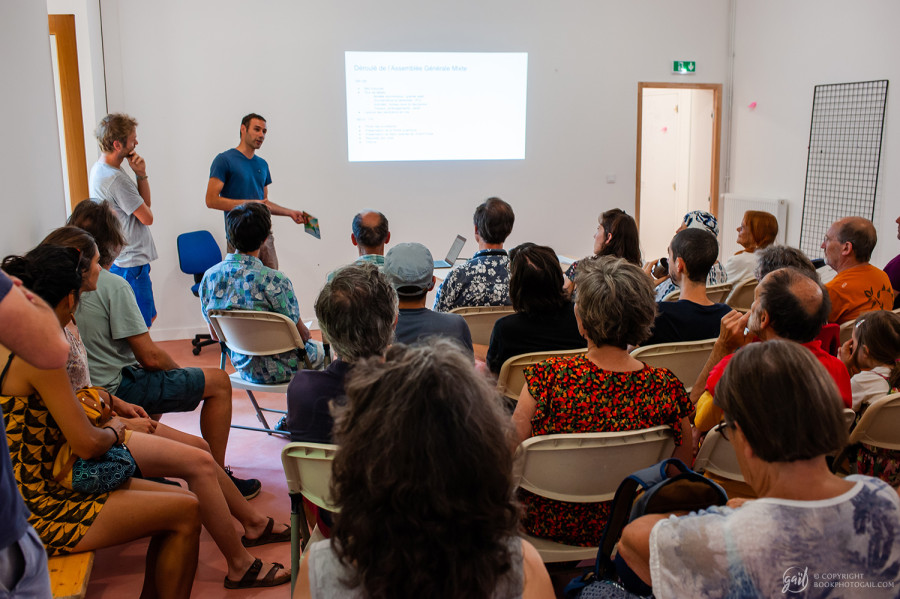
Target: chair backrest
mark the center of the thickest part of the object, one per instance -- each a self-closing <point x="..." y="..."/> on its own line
<point x="718" y="293"/>
<point x="849" y="418"/>
<point x="256" y="333"/>
<point x="307" y="467"/>
<point x="847" y="331"/>
<point x="197" y="252"/>
<point x="685" y="359"/>
<point x="879" y="425"/>
<point x="512" y="374"/>
<point x="481" y="320"/>
<point x="587" y="467"/>
<point x="741" y="296"/>
<point x="717" y="457"/>
<point x="672" y="296"/>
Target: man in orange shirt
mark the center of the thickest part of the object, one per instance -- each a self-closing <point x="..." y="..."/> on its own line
<point x="858" y="287"/>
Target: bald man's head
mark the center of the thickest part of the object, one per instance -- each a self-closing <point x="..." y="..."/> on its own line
<point x="370" y="232"/>
<point x="797" y="305"/>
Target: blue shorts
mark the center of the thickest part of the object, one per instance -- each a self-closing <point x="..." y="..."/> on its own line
<point x="162" y="391"/>
<point x="23" y="568"/>
<point x="139" y="279"/>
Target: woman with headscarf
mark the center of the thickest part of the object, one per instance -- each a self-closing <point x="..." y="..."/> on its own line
<point x="696" y="219"/>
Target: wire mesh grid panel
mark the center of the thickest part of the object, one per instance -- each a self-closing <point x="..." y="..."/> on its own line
<point x="844" y="154"/>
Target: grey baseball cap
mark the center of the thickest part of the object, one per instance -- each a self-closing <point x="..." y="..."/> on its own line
<point x="409" y="267"/>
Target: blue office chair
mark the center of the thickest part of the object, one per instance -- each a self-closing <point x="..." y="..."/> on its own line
<point x="197" y="252"/>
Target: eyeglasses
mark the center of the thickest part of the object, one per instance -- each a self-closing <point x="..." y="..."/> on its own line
<point x="722" y="427"/>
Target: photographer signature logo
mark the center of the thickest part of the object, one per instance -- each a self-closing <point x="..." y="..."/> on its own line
<point x="795" y="580"/>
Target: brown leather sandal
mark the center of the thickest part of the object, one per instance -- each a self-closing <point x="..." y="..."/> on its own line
<point x="268" y="536"/>
<point x="249" y="580"/>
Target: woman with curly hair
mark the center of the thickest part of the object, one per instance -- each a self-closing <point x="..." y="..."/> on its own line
<point x="431" y="512"/>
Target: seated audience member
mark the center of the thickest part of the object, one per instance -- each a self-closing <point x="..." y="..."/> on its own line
<point x="157" y="449"/>
<point x="242" y="282"/>
<point x="605" y="390"/>
<point x="693" y="317"/>
<point x="858" y="287"/>
<point x="369" y="233"/>
<point x="757" y="231"/>
<point x="483" y="280"/>
<point x="696" y="219"/>
<point x="356" y="311"/>
<point x="545" y="316"/>
<point x="125" y="361"/>
<point x="872" y="357"/>
<point x="617" y="236"/>
<point x="808" y="525"/>
<point x="788" y="305"/>
<point x="29" y="329"/>
<point x="445" y="495"/>
<point x="410" y="269"/>
<point x="41" y="412"/>
<point x="892" y="270"/>
<point x="784" y="256"/>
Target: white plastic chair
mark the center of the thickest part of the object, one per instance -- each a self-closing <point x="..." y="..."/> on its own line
<point x="685" y="358"/>
<point x="307" y="468"/>
<point x="879" y="426"/>
<point x="585" y="468"/>
<point x="481" y="320"/>
<point x="717" y="457"/>
<point x="511" y="378"/>
<point x="257" y="334"/>
<point x="741" y="296"/>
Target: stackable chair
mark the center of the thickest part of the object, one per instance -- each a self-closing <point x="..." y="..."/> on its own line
<point x="879" y="426"/>
<point x="512" y="374"/>
<point x="257" y="334"/>
<point x="197" y="253"/>
<point x="718" y="293"/>
<point x="584" y="468"/>
<point x="307" y="467"/>
<point x="684" y="358"/>
<point x="741" y="296"/>
<point x="481" y="320"/>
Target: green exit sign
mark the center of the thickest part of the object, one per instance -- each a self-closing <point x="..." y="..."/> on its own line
<point x="684" y="67"/>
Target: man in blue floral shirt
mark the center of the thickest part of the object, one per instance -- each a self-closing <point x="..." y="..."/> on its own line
<point x="483" y="280"/>
<point x="242" y="282"/>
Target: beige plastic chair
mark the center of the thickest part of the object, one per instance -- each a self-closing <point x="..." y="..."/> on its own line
<point x="584" y="468"/>
<point x="685" y="359"/>
<point x="307" y="468"/>
<point x="512" y="374"/>
<point x="849" y="418"/>
<point x="879" y="426"/>
<point x="257" y="334"/>
<point x="481" y="320"/>
<point x="718" y="293"/>
<point x="717" y="457"/>
<point x="741" y="296"/>
<point x="672" y="296"/>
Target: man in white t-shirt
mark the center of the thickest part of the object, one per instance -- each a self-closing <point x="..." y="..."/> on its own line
<point x="130" y="201"/>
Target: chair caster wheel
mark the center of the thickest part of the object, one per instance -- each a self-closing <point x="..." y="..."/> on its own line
<point x="196" y="351"/>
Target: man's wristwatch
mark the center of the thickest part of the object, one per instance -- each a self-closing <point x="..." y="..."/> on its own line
<point x="142" y="177"/>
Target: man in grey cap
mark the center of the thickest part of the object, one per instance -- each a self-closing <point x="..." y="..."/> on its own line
<point x="410" y="269"/>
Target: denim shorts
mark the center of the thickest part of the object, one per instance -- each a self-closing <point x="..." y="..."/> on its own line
<point x="139" y="279"/>
<point x="28" y="556"/>
<point x="162" y="391"/>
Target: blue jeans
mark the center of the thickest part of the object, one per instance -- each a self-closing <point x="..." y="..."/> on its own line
<point x="139" y="279"/>
<point x="23" y="569"/>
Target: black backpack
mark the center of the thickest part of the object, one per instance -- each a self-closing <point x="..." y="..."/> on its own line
<point x="647" y="491"/>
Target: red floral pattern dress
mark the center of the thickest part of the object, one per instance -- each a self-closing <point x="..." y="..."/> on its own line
<point x="574" y="395"/>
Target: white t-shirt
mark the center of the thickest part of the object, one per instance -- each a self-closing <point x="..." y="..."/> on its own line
<point x="846" y="546"/>
<point x="869" y="384"/>
<point x="741" y="266"/>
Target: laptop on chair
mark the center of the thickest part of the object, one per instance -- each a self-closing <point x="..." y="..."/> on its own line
<point x="453" y="254"/>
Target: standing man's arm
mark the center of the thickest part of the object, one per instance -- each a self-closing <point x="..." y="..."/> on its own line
<point x="139" y="166"/>
<point x="30" y="329"/>
<point x="217" y="202"/>
<point x="150" y="355"/>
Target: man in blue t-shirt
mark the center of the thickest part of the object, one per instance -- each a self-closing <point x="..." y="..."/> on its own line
<point x="238" y="176"/>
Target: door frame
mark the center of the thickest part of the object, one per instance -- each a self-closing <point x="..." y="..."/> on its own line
<point x="63" y="28"/>
<point x="716" y="88"/>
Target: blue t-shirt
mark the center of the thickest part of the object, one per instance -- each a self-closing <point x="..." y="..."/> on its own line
<point x="244" y="178"/>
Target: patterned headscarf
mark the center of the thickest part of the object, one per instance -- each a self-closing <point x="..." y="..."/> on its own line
<point x="697" y="219"/>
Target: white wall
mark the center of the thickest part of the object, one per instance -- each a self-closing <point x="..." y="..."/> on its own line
<point x="782" y="50"/>
<point x="30" y="165"/>
<point x="189" y="71"/>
